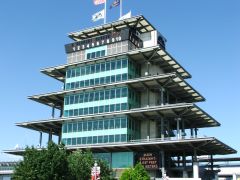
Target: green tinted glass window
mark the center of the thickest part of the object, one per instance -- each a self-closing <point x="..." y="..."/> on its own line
<point x="111" y="138"/>
<point x="106" y="124"/>
<point x="111" y="124"/>
<point x="79" y="126"/>
<point x="74" y="141"/>
<point x="117" y="122"/>
<point x="88" y="69"/>
<point x="85" y="126"/>
<point x="105" y="140"/>
<point x="90" y="124"/>
<point x="79" y="140"/>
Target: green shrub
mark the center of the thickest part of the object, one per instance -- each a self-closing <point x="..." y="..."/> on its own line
<point x="136" y="173"/>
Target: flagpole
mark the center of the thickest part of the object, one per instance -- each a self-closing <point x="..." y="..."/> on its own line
<point x="105" y="12"/>
<point x="121" y="8"/>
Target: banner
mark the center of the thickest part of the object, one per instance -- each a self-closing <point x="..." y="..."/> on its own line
<point x="126" y="16"/>
<point x="98" y="15"/>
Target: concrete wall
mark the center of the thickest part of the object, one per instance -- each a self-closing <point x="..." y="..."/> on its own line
<point x="154" y="98"/>
<point x="153" y="129"/>
<point x="149" y="39"/>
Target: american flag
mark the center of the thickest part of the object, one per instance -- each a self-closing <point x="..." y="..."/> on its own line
<point x="97" y="2"/>
<point x="115" y="3"/>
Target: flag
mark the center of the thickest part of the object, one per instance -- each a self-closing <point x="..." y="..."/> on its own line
<point x="128" y="15"/>
<point x="98" y="15"/>
<point x="115" y="3"/>
<point x="97" y="2"/>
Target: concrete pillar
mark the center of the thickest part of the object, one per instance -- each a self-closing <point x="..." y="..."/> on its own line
<point x="163" y="164"/>
<point x="53" y="112"/>
<point x="148" y="67"/>
<point x="50" y="136"/>
<point x="162" y="128"/>
<point x="211" y="159"/>
<point x="183" y="128"/>
<point x="191" y="132"/>
<point x="178" y="127"/>
<point x="195" y="170"/>
<point x="168" y="128"/>
<point x="234" y="177"/>
<point x="148" y="129"/>
<point x="185" y="174"/>
<point x="195" y="165"/>
<point x="167" y="101"/>
<point x="59" y="138"/>
<point x="162" y="96"/>
<point x="196" y="132"/>
<point x="40" y="140"/>
<point x="61" y="111"/>
<point x="178" y="161"/>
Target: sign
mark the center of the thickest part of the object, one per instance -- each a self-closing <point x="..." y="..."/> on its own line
<point x="105" y="39"/>
<point x="150" y="160"/>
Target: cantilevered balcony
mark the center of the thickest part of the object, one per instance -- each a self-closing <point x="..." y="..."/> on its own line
<point x="174" y="147"/>
<point x="192" y="116"/>
<point x="172" y="83"/>
<point x="155" y="54"/>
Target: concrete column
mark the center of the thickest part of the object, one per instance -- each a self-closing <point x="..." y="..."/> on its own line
<point x="211" y="162"/>
<point x="40" y="140"/>
<point x="178" y="161"/>
<point x="195" y="165"/>
<point x="148" y="67"/>
<point x="168" y="128"/>
<point x="185" y="175"/>
<point x="53" y="111"/>
<point x="50" y="136"/>
<point x="196" y="132"/>
<point x="167" y="101"/>
<point x="59" y="138"/>
<point x="234" y="177"/>
<point x="183" y="128"/>
<point x="61" y="111"/>
<point x="163" y="164"/>
<point x="178" y="127"/>
<point x="191" y="132"/>
<point x="162" y="96"/>
<point x="162" y="128"/>
<point x="195" y="170"/>
<point x="148" y="97"/>
<point x="148" y="129"/>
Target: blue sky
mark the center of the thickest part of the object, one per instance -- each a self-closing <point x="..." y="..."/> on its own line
<point x="204" y="36"/>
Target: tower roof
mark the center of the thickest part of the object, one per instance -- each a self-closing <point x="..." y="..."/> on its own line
<point x="140" y="23"/>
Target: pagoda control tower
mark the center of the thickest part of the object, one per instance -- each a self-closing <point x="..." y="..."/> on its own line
<point x="127" y="100"/>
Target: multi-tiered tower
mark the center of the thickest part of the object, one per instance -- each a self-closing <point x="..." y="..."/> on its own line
<point x="125" y="98"/>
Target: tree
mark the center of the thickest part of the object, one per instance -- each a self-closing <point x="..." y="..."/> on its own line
<point x="136" y="173"/>
<point x="50" y="163"/>
<point x="139" y="173"/>
<point x="127" y="174"/>
<point x="55" y="163"/>
<point x="81" y="163"/>
<point x="106" y="172"/>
